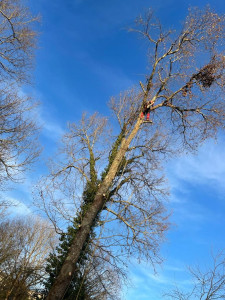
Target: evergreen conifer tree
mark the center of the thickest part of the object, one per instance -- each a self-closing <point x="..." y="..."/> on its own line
<point x="77" y="287"/>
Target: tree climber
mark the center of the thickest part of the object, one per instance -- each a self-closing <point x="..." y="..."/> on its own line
<point x="146" y="111"/>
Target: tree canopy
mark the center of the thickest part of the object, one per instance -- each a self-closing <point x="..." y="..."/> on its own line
<point x="184" y="92"/>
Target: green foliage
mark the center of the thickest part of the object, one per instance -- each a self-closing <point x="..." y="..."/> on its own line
<point x="115" y="148"/>
<point x="93" y="174"/>
<point x="89" y="193"/>
<point x="56" y="260"/>
<point x="78" y="286"/>
<point x="123" y="167"/>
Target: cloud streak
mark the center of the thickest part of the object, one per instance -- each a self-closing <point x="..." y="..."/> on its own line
<point x="155" y="284"/>
<point x="18" y="208"/>
<point x="208" y="167"/>
<point x="50" y="128"/>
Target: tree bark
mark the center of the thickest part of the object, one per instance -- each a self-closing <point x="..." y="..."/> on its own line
<point x="65" y="276"/>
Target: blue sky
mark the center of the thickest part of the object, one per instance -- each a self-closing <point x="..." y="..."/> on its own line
<point x="86" y="55"/>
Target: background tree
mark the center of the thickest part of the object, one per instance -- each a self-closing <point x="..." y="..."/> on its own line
<point x="187" y="106"/>
<point x="18" y="40"/>
<point x="207" y="284"/>
<point x="24" y="246"/>
<point x="18" y="133"/>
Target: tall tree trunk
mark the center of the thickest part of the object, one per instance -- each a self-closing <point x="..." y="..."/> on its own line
<point x="65" y="276"/>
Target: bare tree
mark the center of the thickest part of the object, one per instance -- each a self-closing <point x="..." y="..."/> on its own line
<point x="102" y="279"/>
<point x="207" y="284"/>
<point x="5" y="204"/>
<point x="185" y="96"/>
<point x="17" y="40"/>
<point x="18" y="133"/>
<point x="24" y="246"/>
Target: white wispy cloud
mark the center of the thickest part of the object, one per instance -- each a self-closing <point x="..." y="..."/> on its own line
<point x="173" y="268"/>
<point x="154" y="285"/>
<point x="207" y="167"/>
<point x="190" y="176"/>
<point x="52" y="129"/>
<point x="18" y="208"/>
<point x="44" y="116"/>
